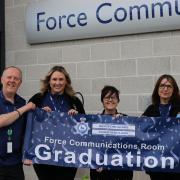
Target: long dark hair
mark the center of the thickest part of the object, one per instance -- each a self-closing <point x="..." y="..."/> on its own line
<point x="175" y="95"/>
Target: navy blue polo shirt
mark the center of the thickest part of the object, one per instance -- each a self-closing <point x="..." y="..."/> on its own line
<point x="57" y="102"/>
<point x="164" y="110"/>
<point x="18" y="128"/>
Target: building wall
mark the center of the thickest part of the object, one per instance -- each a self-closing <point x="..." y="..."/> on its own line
<point x="132" y="63"/>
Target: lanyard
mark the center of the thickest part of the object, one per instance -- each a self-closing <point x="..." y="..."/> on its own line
<point x="53" y="103"/>
<point x="9" y="133"/>
<point x="168" y="112"/>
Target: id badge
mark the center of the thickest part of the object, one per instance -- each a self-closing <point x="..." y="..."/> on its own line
<point x="9" y="147"/>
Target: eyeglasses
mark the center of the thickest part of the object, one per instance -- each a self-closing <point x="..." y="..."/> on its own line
<point x="108" y="98"/>
<point x="163" y="86"/>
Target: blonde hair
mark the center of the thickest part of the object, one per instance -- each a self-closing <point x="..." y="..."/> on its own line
<point x="45" y="86"/>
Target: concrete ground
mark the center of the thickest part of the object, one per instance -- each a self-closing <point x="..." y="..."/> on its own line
<point x="30" y="174"/>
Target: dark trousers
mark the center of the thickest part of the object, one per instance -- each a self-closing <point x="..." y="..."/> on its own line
<point x="164" y="176"/>
<point x="14" y="172"/>
<point x="111" y="175"/>
<point x="48" y="172"/>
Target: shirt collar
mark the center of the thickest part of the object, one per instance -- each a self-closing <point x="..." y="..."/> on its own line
<point x="56" y="95"/>
<point x="16" y="98"/>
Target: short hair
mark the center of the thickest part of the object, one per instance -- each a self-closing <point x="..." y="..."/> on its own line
<point x="175" y="95"/>
<point x="14" y="67"/>
<point x="45" y="86"/>
<point x="111" y="90"/>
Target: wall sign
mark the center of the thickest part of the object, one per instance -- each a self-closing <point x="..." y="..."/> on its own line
<point x="60" y="20"/>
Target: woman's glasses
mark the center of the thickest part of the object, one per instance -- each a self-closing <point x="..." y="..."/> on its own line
<point x="163" y="86"/>
<point x="110" y="98"/>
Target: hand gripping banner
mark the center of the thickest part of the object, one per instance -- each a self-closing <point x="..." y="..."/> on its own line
<point x="92" y="141"/>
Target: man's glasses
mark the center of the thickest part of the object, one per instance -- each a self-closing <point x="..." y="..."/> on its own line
<point x="163" y="86"/>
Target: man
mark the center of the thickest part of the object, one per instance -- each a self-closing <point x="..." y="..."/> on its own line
<point x="12" y="125"/>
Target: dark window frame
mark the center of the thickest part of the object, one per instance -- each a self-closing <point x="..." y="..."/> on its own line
<point x="2" y="35"/>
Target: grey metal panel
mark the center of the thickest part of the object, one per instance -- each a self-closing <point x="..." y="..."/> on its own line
<point x="122" y="15"/>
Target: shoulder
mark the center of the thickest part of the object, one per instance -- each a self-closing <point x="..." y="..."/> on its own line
<point x="122" y="114"/>
<point x="37" y="95"/>
<point x="77" y="104"/>
<point x="37" y="98"/>
<point x="151" y="110"/>
<point x="20" y="100"/>
<point x="76" y="100"/>
<point x="176" y="104"/>
<point x="73" y="99"/>
<point x="175" y="109"/>
<point x="152" y="106"/>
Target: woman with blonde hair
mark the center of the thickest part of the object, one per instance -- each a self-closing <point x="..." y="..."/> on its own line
<point x="58" y="95"/>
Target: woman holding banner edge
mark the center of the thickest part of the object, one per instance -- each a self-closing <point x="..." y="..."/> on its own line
<point x="110" y="100"/>
<point x="57" y="94"/>
<point x="165" y="103"/>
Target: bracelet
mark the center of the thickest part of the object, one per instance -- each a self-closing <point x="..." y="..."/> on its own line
<point x="18" y="113"/>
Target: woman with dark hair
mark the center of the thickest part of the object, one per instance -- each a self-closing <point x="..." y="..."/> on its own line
<point x="165" y="103"/>
<point x="57" y="94"/>
<point x="110" y="100"/>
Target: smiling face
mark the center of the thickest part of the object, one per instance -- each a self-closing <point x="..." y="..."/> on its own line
<point x="11" y="80"/>
<point x="110" y="103"/>
<point x="57" y="82"/>
<point x="165" y="91"/>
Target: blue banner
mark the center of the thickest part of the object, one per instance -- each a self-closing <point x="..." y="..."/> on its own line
<point x="92" y="141"/>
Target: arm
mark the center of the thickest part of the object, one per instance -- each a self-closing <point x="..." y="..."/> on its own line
<point x="9" y="118"/>
<point x="77" y="107"/>
<point x="37" y="100"/>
